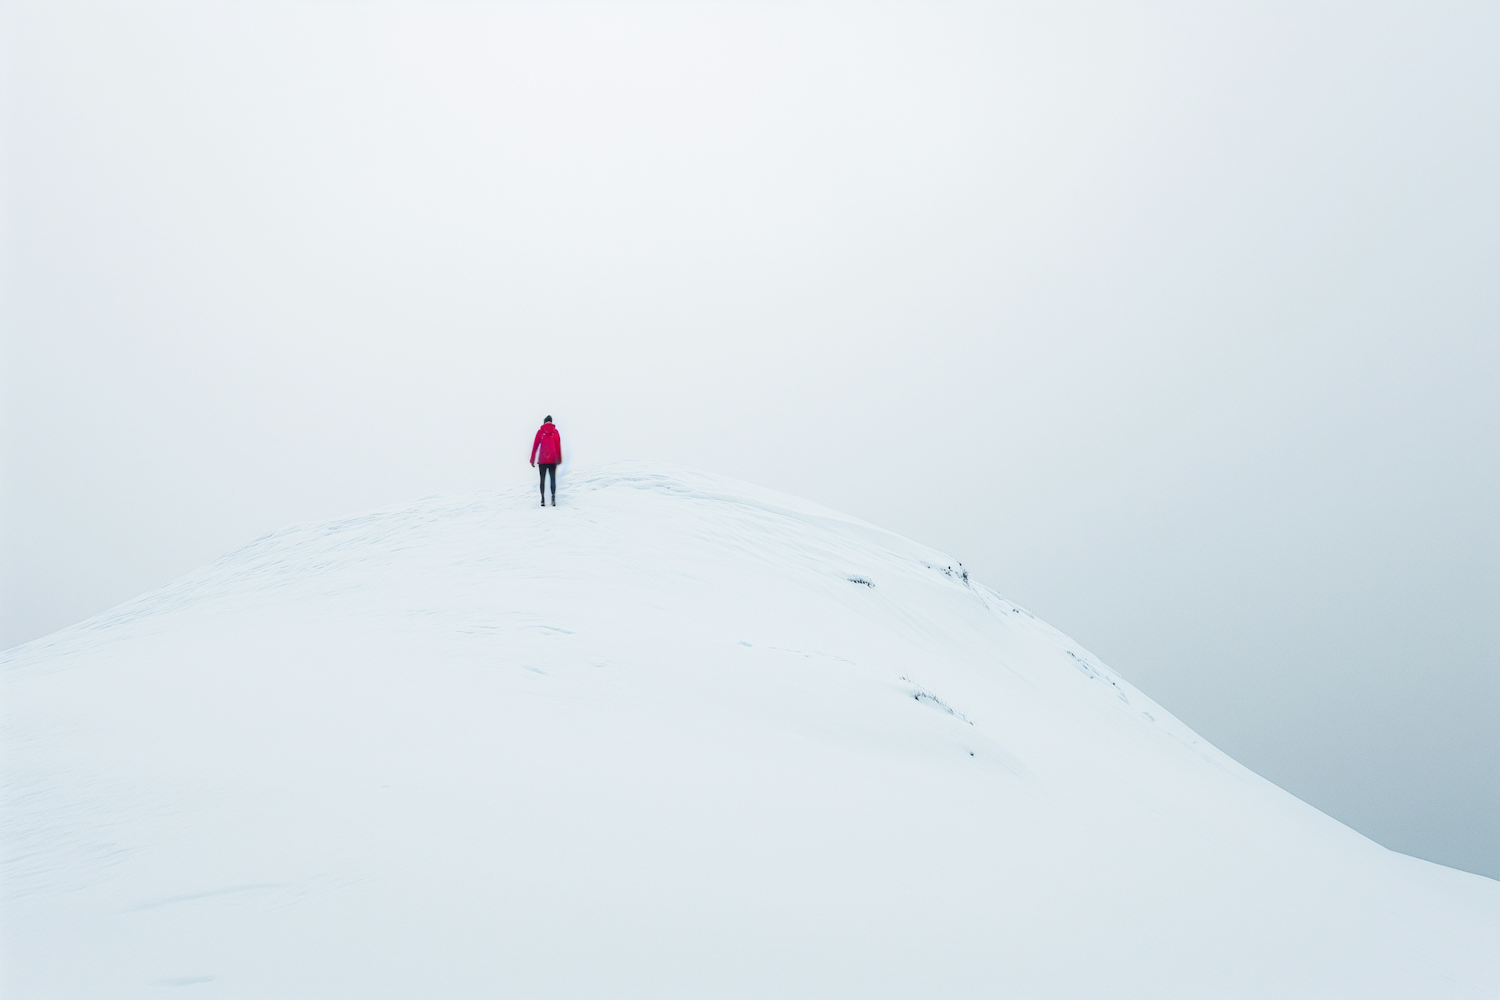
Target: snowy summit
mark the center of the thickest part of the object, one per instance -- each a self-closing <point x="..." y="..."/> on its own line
<point x="676" y="737"/>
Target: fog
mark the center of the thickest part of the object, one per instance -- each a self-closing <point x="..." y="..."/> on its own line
<point x="1176" y="323"/>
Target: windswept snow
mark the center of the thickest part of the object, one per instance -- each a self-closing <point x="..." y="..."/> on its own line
<point x="678" y="736"/>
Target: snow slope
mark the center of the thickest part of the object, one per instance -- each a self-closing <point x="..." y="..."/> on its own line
<point x="677" y="737"/>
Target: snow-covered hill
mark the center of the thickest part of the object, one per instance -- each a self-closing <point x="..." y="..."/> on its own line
<point x="676" y="737"/>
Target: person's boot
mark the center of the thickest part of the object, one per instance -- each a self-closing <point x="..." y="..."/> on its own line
<point x="554" y="499"/>
<point x="544" y="501"/>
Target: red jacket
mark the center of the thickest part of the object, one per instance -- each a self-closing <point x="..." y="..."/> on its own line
<point x="547" y="447"/>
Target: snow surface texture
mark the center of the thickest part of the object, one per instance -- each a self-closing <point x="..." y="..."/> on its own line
<point x="678" y="736"/>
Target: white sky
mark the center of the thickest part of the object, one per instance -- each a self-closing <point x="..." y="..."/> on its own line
<point x="1175" y="322"/>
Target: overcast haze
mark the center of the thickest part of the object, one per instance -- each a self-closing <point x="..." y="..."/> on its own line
<point x="1176" y="323"/>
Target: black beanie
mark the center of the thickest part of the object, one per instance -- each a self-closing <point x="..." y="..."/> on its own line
<point x="548" y="420"/>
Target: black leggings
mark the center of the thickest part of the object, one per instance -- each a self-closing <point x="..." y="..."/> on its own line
<point x="544" y="469"/>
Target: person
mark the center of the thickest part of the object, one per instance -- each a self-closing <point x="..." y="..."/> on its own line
<point x="546" y="453"/>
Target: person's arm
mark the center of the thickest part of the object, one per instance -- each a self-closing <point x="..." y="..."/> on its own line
<point x="559" y="446"/>
<point x="536" y="443"/>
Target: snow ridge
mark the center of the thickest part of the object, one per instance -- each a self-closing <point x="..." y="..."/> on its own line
<point x="677" y="736"/>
